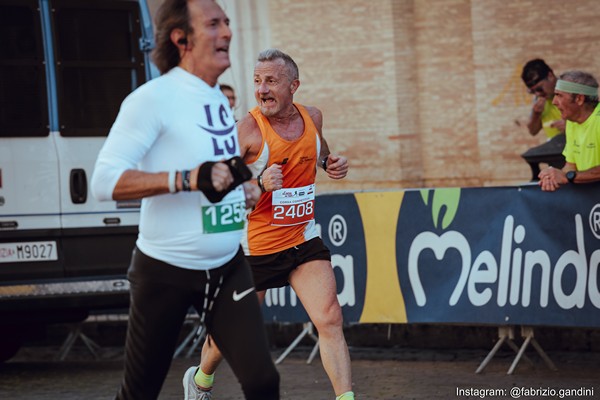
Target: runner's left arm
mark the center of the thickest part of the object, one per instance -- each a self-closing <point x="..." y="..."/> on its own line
<point x="335" y="166"/>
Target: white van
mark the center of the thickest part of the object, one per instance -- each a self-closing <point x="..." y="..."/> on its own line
<point x="65" y="68"/>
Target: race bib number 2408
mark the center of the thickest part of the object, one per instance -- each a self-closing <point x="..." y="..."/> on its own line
<point x="293" y="206"/>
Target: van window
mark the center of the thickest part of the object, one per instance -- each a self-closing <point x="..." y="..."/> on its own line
<point x="98" y="62"/>
<point x="23" y="100"/>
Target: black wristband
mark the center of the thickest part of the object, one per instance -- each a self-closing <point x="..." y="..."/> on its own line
<point x="260" y="183"/>
<point x="185" y="181"/>
<point x="238" y="169"/>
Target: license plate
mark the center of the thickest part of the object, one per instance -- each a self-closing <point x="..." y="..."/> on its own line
<point x="28" y="252"/>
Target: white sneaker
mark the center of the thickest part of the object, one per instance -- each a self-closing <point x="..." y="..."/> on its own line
<point x="191" y="391"/>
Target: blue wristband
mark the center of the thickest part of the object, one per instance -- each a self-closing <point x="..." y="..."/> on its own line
<point x="185" y="181"/>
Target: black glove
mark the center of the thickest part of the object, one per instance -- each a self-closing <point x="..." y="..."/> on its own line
<point x="238" y="169"/>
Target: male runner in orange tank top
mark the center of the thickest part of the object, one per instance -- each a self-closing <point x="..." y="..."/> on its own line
<point x="282" y="143"/>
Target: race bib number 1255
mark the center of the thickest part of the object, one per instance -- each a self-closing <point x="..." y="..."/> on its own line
<point x="227" y="217"/>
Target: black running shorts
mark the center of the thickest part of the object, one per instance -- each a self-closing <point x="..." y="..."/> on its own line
<point x="273" y="270"/>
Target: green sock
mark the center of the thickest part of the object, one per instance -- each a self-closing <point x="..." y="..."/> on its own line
<point x="203" y="380"/>
<point x="346" y="396"/>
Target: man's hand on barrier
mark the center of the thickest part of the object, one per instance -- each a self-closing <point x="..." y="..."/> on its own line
<point x="551" y="179"/>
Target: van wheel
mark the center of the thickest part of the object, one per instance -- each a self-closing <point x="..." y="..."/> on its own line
<point x="12" y="340"/>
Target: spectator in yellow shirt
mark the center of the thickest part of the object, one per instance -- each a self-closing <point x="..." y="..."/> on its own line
<point x="540" y="81"/>
<point x="576" y="96"/>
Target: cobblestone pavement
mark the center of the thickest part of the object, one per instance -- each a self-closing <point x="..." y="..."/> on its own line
<point x="377" y="374"/>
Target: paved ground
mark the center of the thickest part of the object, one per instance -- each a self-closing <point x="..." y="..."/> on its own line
<point x="378" y="374"/>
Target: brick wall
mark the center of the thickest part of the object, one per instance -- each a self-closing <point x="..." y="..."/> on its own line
<point x="428" y="92"/>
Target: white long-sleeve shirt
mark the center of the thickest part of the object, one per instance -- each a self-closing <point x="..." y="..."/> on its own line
<point x="176" y="122"/>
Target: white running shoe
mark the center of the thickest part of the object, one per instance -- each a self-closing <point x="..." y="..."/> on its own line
<point x="191" y="391"/>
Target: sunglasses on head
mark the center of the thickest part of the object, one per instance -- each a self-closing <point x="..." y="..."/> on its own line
<point x="535" y="85"/>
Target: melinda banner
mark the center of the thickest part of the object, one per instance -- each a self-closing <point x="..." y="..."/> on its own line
<point x="503" y="255"/>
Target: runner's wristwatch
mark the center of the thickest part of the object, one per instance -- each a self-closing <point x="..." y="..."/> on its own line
<point x="571" y="176"/>
<point x="324" y="163"/>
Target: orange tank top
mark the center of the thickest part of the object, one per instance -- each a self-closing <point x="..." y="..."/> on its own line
<point x="285" y="218"/>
